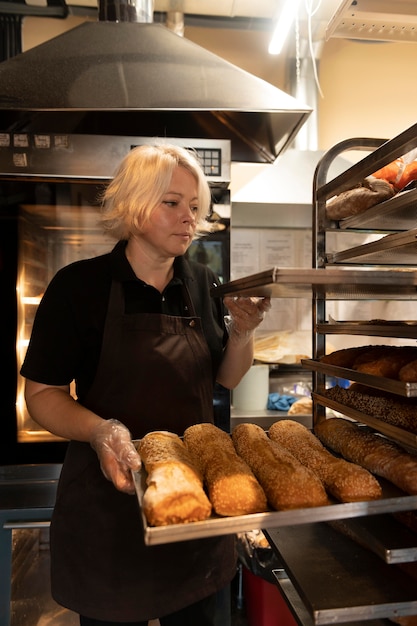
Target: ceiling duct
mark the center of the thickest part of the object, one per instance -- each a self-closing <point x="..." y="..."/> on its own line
<point x="128" y="75"/>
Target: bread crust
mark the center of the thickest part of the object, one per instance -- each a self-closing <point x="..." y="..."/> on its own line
<point x="369" y="192"/>
<point x="374" y="452"/>
<point x="174" y="493"/>
<point x="231" y="485"/>
<point x="286" y="482"/>
<point x="348" y="482"/>
<point x="396" y="362"/>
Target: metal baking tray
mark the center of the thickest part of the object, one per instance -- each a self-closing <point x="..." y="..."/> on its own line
<point x="334" y="283"/>
<point x="396" y="214"/>
<point x="393" y="500"/>
<point x="340" y="581"/>
<point x="383" y="534"/>
<point x="394" y="249"/>
<point x="299" y="610"/>
<point x="401" y="436"/>
<point x="372" y="328"/>
<point x="399" y="387"/>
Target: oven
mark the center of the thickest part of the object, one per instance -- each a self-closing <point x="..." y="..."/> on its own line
<point x="50" y="185"/>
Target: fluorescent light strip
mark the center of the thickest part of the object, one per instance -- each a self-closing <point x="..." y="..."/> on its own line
<point x="283" y="26"/>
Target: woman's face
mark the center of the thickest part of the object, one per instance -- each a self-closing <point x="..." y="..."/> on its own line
<point x="171" y="227"/>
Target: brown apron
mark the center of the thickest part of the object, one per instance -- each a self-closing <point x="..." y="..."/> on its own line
<point x="101" y="567"/>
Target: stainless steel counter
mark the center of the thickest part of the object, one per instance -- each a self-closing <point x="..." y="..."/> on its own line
<point x="27" y="498"/>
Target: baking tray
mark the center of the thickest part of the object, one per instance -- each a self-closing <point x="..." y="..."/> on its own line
<point x="388" y="538"/>
<point x="397" y="213"/>
<point x="372" y="328"/>
<point x="394" y="249"/>
<point x="338" y="580"/>
<point x="403" y="437"/>
<point x="399" y="387"/>
<point x="334" y="283"/>
<point x="393" y="500"/>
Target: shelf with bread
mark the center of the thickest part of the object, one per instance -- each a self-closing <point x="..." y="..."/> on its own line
<point x="365" y="412"/>
<point x="395" y="214"/>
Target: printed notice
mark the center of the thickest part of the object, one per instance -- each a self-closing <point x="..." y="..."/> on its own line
<point x="244" y="252"/>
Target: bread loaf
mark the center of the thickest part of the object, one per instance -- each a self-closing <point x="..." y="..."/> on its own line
<point x="232" y="486"/>
<point x="396" y="362"/>
<point x="286" y="482"/>
<point x="345" y="481"/>
<point x="389" y="408"/>
<point x="408" y="372"/>
<point x="174" y="492"/>
<point x="374" y="452"/>
<point x="369" y="192"/>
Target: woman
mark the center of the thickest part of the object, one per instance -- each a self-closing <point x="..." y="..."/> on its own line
<point x="138" y="332"/>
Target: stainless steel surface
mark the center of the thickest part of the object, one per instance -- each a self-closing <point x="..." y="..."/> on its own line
<point x="266" y="418"/>
<point x="397" y="213"/>
<point x="379" y="382"/>
<point x="173" y="87"/>
<point x="393" y="500"/>
<point x="300" y="612"/>
<point x="338" y="580"/>
<point x="26" y="488"/>
<point x="335" y="283"/>
<point x="380" y="328"/>
<point x="384" y="535"/>
<point x="393" y="249"/>
<point x="403" y="437"/>
<point x="82" y="157"/>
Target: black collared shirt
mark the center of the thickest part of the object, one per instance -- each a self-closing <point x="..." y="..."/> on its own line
<point x="68" y="327"/>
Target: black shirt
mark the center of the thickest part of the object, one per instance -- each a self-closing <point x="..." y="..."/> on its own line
<point x="68" y="328"/>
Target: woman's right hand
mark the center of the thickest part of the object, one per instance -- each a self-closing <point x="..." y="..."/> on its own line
<point x="117" y="455"/>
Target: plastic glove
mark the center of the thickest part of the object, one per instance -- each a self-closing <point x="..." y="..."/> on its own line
<point x="117" y="454"/>
<point x="245" y="315"/>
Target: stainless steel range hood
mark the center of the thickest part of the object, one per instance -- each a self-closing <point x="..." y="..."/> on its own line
<point x="141" y="78"/>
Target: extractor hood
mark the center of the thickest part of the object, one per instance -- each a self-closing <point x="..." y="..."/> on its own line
<point x="141" y="78"/>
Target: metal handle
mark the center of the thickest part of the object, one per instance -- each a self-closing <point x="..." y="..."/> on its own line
<point x="35" y="524"/>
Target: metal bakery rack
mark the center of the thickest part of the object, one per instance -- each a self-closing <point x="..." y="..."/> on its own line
<point x="358" y="568"/>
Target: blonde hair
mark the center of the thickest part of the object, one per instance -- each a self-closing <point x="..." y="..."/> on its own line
<point x="139" y="184"/>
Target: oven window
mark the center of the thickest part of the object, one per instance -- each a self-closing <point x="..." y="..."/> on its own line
<point x="58" y="223"/>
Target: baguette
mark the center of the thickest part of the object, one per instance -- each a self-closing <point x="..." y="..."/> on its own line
<point x="232" y="487"/>
<point x="345" y="481"/>
<point x="385" y="406"/>
<point x="286" y="482"/>
<point x="374" y="452"/>
<point x="174" y="492"/>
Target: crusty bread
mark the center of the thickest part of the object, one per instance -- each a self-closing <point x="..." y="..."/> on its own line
<point x="408" y="372"/>
<point x="396" y="362"/>
<point x="346" y="481"/>
<point x="365" y="195"/>
<point x="232" y="486"/>
<point x="385" y="406"/>
<point x="374" y="452"/>
<point x="286" y="482"/>
<point x="174" y="492"/>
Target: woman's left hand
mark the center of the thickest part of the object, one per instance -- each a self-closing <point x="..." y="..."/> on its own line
<point x="246" y="313"/>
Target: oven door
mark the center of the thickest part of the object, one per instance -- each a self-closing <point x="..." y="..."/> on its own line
<point x="44" y="226"/>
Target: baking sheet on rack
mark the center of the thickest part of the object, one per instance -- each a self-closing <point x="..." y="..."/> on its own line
<point x="379" y="382"/>
<point x="401" y="436"/>
<point x="393" y="500"/>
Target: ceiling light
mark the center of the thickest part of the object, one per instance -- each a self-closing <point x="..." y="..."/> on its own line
<point x="284" y="23"/>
